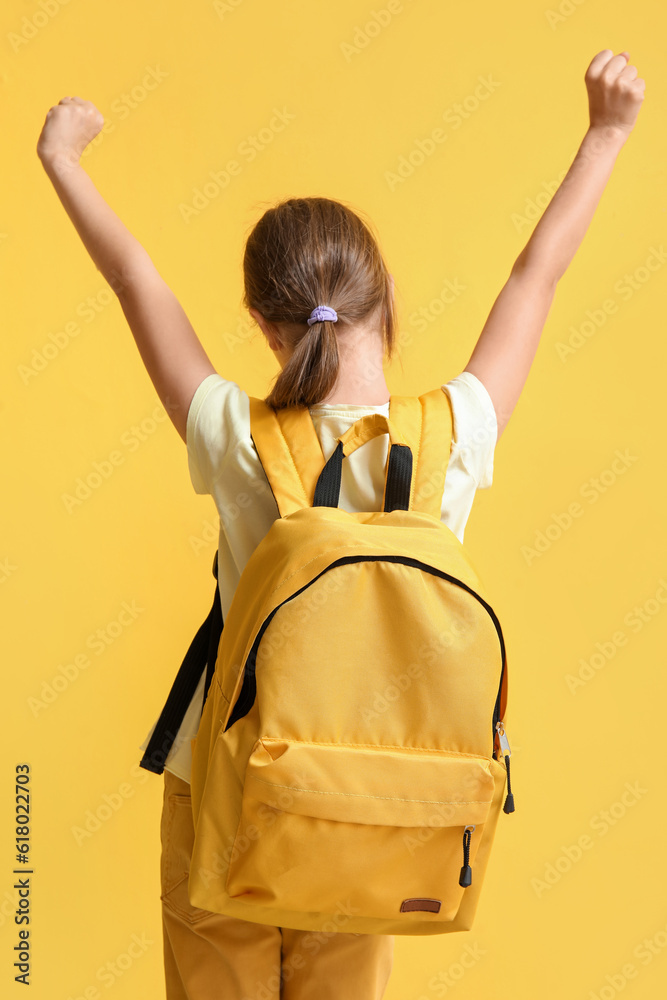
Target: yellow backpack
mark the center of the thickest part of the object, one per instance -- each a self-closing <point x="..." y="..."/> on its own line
<point x="351" y="759"/>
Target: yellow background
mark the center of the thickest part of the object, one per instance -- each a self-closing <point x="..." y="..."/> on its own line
<point x="464" y="214"/>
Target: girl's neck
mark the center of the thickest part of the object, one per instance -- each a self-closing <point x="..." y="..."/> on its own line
<point x="361" y="380"/>
<point x="352" y="393"/>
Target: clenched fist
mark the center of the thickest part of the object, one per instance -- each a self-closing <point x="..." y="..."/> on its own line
<point x="69" y="126"/>
<point x="615" y="92"/>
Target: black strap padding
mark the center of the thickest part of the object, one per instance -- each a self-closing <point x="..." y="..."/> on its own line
<point x="399" y="477"/>
<point x="327" y="491"/>
<point x="201" y="654"/>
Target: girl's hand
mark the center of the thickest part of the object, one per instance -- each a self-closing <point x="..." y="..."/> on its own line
<point x="68" y="128"/>
<point x="615" y="92"/>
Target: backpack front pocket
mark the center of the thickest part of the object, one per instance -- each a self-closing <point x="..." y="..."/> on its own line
<point x="359" y="830"/>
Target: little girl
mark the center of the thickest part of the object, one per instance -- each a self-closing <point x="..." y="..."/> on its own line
<point x="317" y="285"/>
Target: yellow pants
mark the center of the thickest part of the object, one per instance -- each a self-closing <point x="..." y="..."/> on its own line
<point x="210" y="956"/>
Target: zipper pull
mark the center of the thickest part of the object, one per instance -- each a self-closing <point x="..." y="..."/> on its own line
<point x="465" y="878"/>
<point x="507" y="753"/>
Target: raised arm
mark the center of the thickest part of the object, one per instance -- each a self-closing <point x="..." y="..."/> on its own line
<point x="169" y="347"/>
<point x="508" y="342"/>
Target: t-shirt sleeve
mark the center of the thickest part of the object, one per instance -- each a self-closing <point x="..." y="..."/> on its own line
<point x="475" y="430"/>
<point x="218" y="418"/>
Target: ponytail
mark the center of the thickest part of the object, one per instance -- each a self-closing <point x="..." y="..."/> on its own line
<point x="306" y="252"/>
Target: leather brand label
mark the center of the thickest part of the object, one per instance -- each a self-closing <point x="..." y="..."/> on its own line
<point x="430" y="905"/>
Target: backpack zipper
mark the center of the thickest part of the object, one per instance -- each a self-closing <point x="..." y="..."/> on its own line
<point x="465" y="878"/>
<point x="248" y="691"/>
<point x="507" y="753"/>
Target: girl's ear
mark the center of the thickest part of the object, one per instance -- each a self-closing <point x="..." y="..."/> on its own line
<point x="258" y="318"/>
<point x="268" y="329"/>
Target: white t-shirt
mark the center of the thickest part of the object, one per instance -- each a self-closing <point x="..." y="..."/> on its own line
<point x="222" y="461"/>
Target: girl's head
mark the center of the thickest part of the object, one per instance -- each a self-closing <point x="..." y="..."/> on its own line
<point x="306" y="252"/>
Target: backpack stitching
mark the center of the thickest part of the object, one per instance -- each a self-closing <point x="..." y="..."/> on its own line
<point x="363" y="795"/>
<point x="374" y="746"/>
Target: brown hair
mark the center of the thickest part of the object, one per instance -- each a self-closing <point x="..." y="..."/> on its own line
<point x="305" y="252"/>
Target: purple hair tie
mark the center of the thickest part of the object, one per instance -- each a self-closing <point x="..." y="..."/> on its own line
<point x="321" y="313"/>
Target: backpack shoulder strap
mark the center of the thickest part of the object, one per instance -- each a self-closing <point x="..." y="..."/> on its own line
<point x="426" y="423"/>
<point x="291" y="454"/>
